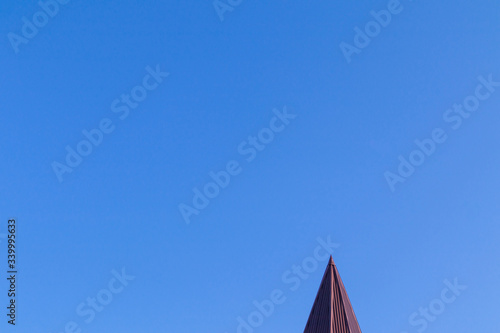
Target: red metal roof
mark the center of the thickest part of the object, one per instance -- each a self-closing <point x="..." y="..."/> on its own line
<point x="332" y="311"/>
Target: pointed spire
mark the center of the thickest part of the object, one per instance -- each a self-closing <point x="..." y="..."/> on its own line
<point x="332" y="311"/>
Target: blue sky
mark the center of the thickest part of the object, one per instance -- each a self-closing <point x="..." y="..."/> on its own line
<point x="323" y="174"/>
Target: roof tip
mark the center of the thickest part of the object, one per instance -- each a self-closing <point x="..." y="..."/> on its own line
<point x="332" y="310"/>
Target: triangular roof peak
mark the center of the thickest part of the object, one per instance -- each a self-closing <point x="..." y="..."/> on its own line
<point x="332" y="311"/>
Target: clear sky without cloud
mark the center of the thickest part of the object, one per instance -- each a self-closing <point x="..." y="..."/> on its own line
<point x="175" y="166"/>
